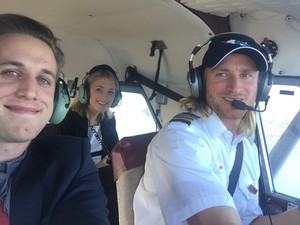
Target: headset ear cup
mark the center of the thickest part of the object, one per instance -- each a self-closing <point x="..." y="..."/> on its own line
<point x="117" y="99"/>
<point x="265" y="82"/>
<point x="61" y="102"/>
<point x="196" y="87"/>
<point x="83" y="93"/>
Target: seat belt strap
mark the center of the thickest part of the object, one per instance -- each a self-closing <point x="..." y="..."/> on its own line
<point x="236" y="169"/>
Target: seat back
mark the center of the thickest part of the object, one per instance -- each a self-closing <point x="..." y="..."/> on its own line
<point x="128" y="159"/>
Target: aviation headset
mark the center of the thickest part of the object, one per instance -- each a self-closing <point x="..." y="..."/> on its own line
<point x="61" y="102"/>
<point x="84" y="88"/>
<point x="195" y="76"/>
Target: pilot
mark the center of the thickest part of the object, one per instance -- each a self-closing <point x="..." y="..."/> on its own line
<point x="188" y="167"/>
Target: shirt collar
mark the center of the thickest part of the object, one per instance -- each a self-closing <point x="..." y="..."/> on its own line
<point x="217" y="129"/>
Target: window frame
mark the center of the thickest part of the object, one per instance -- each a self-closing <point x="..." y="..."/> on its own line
<point x="271" y="201"/>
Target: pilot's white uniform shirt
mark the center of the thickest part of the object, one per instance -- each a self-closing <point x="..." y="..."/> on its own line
<point x="187" y="169"/>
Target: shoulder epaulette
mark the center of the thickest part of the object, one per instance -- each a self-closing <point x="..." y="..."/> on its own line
<point x="185" y="117"/>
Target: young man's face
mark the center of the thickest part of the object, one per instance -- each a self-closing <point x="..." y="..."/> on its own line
<point x="27" y="86"/>
<point x="235" y="78"/>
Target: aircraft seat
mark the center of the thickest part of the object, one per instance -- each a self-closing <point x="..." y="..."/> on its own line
<point x="128" y="159"/>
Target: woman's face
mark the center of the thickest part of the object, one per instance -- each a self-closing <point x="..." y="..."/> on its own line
<point x="102" y="94"/>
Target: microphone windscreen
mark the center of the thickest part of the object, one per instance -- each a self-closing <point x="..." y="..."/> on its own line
<point x="239" y="105"/>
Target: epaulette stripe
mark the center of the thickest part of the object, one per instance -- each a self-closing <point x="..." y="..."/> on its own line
<point x="185" y="117"/>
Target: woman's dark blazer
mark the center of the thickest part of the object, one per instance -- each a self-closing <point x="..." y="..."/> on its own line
<point x="57" y="184"/>
<point x="76" y="125"/>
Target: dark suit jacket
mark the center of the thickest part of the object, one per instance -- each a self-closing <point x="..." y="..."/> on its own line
<point x="57" y="184"/>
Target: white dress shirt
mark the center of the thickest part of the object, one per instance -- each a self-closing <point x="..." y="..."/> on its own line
<point x="187" y="169"/>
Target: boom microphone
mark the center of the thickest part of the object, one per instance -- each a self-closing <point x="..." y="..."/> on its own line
<point x="242" y="106"/>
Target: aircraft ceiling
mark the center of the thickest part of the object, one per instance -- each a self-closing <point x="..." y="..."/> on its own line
<point x="120" y="32"/>
<point x="225" y="7"/>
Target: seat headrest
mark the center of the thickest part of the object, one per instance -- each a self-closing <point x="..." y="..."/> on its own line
<point x="130" y="152"/>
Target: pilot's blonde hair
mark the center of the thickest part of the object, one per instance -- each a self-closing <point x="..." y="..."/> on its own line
<point x="248" y="123"/>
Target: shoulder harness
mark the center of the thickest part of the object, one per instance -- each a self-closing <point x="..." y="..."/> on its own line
<point x="185" y="117"/>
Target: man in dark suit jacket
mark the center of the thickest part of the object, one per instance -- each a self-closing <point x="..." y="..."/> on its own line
<point x="57" y="183"/>
<point x="49" y="180"/>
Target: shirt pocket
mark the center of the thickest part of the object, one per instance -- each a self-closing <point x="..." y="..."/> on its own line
<point x="248" y="188"/>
